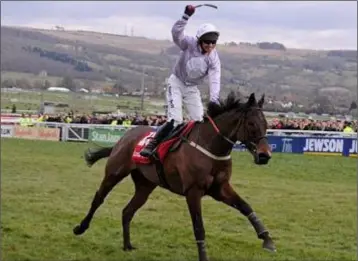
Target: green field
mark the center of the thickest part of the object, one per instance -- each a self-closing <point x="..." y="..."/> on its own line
<point x="307" y="202"/>
<point x="80" y="102"/>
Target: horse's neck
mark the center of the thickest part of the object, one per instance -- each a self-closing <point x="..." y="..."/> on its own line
<point x="207" y="137"/>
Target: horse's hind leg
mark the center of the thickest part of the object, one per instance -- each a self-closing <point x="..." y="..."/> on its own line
<point x="108" y="182"/>
<point x="143" y="188"/>
<point x="226" y="194"/>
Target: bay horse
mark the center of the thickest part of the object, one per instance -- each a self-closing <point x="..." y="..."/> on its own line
<point x="201" y="165"/>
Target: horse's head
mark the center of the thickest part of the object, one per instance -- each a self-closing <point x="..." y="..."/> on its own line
<point x="244" y="122"/>
<point x="252" y="129"/>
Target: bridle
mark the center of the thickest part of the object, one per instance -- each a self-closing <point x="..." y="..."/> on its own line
<point x="250" y="144"/>
<point x="218" y="131"/>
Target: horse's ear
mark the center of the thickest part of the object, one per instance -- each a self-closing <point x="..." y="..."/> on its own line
<point x="261" y="101"/>
<point x="252" y="100"/>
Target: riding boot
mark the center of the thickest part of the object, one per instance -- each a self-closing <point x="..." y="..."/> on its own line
<point x="162" y="132"/>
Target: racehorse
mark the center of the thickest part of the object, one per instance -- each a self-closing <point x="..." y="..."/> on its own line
<point x="199" y="165"/>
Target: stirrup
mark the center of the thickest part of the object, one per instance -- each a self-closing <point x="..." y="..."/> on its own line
<point x="146" y="153"/>
<point x="148" y="150"/>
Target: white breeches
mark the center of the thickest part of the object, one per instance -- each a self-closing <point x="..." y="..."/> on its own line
<point x="179" y="94"/>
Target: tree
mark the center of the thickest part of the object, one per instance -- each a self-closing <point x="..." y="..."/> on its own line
<point x="107" y="89"/>
<point x="353" y="106"/>
<point x="354" y="113"/>
<point x="69" y="83"/>
<point x="38" y="84"/>
<point x="23" y="83"/>
<point x="8" y="83"/>
<point x="324" y="104"/>
<point x="119" y="88"/>
<point x="42" y="85"/>
<point x="88" y="85"/>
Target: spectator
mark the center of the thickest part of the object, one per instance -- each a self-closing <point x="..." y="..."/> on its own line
<point x="158" y="120"/>
<point x="348" y="128"/>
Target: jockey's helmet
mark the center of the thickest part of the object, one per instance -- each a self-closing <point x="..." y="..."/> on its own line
<point x="207" y="32"/>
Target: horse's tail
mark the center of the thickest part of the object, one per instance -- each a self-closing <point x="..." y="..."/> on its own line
<point x="93" y="155"/>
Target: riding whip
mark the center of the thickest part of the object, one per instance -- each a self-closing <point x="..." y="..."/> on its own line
<point x="208" y="5"/>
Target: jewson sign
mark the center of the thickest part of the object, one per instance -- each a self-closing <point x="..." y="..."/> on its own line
<point x="331" y="146"/>
<point x="353" y="148"/>
<point x="323" y="145"/>
<point x="310" y="145"/>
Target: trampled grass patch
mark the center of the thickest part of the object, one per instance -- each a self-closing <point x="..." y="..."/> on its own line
<point x="307" y="202"/>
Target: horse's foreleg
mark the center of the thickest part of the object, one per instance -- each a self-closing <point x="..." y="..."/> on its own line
<point x="108" y="182"/>
<point x="143" y="188"/>
<point x="226" y="194"/>
<point x="193" y="199"/>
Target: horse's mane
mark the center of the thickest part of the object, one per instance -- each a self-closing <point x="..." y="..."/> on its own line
<point x="231" y="102"/>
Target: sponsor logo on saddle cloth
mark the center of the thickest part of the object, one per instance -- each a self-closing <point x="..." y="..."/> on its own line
<point x="136" y="157"/>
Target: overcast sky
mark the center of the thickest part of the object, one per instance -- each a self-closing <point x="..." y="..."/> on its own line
<point x="314" y="25"/>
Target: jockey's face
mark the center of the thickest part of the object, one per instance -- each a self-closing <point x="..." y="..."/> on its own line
<point x="208" y="45"/>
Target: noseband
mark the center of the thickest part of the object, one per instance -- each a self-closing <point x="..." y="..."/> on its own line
<point x="251" y="145"/>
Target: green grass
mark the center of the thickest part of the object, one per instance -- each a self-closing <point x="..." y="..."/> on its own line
<point x="31" y="100"/>
<point x="307" y="202"/>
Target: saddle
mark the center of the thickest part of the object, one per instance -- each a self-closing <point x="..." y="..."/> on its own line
<point x="169" y="144"/>
<point x="173" y="141"/>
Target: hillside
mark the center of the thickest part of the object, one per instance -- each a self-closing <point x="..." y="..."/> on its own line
<point x="101" y="60"/>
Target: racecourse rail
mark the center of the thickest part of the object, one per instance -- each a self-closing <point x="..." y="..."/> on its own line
<point x="284" y="141"/>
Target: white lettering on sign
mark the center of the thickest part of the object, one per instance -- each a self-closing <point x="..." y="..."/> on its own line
<point x="273" y="147"/>
<point x="353" y="149"/>
<point x="105" y="137"/>
<point x="287" y="145"/>
<point x="324" y="145"/>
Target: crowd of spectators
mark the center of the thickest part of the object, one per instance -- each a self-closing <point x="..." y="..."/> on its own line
<point x="153" y="120"/>
<point x="309" y="124"/>
<point x="157" y="120"/>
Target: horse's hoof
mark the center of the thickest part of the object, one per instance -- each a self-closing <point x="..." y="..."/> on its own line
<point x="269" y="245"/>
<point x="129" y="248"/>
<point x="88" y="158"/>
<point x="79" y="230"/>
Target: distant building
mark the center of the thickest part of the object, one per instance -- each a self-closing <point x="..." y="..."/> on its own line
<point x="84" y="90"/>
<point x="58" y="89"/>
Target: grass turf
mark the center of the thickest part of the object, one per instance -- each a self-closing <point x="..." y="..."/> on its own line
<point x="307" y="202"/>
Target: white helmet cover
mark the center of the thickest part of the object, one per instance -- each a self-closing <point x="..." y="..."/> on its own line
<point x="206" y="28"/>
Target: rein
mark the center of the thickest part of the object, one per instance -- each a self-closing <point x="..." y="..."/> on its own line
<point x="251" y="145"/>
<point x="206" y="152"/>
<point x="218" y="131"/>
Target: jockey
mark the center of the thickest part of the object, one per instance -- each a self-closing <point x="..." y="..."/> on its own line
<point x="198" y="59"/>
